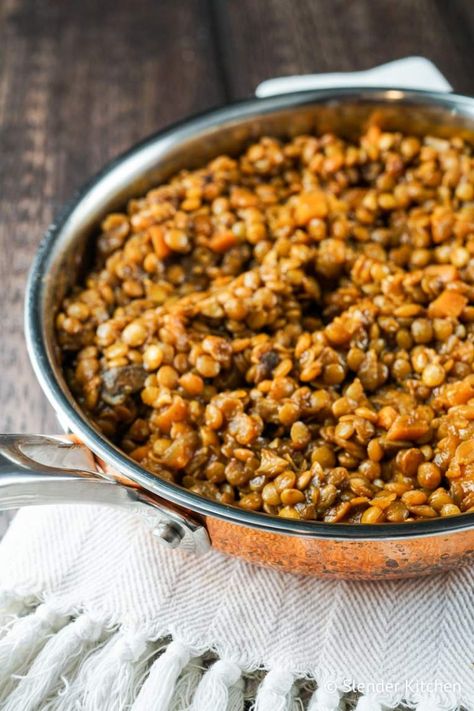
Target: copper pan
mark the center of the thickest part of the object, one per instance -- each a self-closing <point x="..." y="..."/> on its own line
<point x="36" y="469"/>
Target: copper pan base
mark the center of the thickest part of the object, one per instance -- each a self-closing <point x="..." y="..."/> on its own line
<point x="362" y="560"/>
<point x="365" y="559"/>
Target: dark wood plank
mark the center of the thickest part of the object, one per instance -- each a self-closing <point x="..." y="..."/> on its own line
<point x="276" y="37"/>
<point x="79" y="82"/>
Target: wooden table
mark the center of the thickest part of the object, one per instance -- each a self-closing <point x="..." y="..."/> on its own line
<point x="81" y="81"/>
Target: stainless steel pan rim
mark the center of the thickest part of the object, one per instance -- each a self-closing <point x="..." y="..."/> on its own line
<point x="41" y="355"/>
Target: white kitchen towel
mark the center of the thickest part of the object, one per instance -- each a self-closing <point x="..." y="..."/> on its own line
<point x="98" y="616"/>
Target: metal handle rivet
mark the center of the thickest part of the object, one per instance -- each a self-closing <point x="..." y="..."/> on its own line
<point x="168" y="534"/>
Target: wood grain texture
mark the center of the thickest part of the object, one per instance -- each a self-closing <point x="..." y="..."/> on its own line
<point x="80" y="82"/>
<point x="275" y="37"/>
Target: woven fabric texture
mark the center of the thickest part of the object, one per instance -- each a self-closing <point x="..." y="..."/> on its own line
<point x="395" y="641"/>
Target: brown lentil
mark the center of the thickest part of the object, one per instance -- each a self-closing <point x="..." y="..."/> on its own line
<point x="292" y="330"/>
<point x="429" y="475"/>
<point x="372" y="515"/>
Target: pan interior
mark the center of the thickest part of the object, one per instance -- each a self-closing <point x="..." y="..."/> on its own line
<point x="66" y="249"/>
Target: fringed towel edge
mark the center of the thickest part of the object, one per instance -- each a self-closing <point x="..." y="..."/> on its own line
<point x="56" y="659"/>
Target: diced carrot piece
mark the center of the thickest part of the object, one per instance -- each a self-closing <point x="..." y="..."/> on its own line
<point x="446" y="273"/>
<point x="442" y="227"/>
<point x="466" y="411"/>
<point x="140" y="452"/>
<point x="310" y="205"/>
<point x="222" y="241"/>
<point x="465" y="452"/>
<point x="241" y="197"/>
<point x="449" y="303"/>
<point x="460" y="393"/>
<point x="157" y="235"/>
<point x="387" y="417"/>
<point x="176" y="412"/>
<point x="407" y="428"/>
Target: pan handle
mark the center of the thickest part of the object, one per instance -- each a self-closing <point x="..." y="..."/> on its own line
<point x="38" y="469"/>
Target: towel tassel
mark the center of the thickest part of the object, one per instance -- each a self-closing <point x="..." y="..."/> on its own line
<point x="109" y="677"/>
<point x="369" y="703"/>
<point x="23" y="642"/>
<point x="274" y="693"/>
<point x="325" y="700"/>
<point x="236" y="696"/>
<point x="213" y="691"/>
<point x="432" y="705"/>
<point x="12" y="607"/>
<point x="187" y="684"/>
<point x="59" y="657"/>
<point x="157" y="691"/>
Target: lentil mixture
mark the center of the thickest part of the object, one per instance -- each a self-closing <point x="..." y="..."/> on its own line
<point x="292" y="330"/>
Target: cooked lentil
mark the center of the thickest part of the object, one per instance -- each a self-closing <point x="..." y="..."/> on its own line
<point x="292" y="330"/>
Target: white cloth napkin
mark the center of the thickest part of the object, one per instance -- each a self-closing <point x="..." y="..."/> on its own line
<point x="100" y="617"/>
<point x="97" y="616"/>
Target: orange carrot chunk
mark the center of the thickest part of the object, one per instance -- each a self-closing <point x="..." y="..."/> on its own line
<point x="459" y="393"/>
<point x="448" y="304"/>
<point x="465" y="452"/>
<point x="158" y="240"/>
<point x="446" y="273"/>
<point x="407" y="428"/>
<point x="222" y="241"/>
<point x="310" y="205"/>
